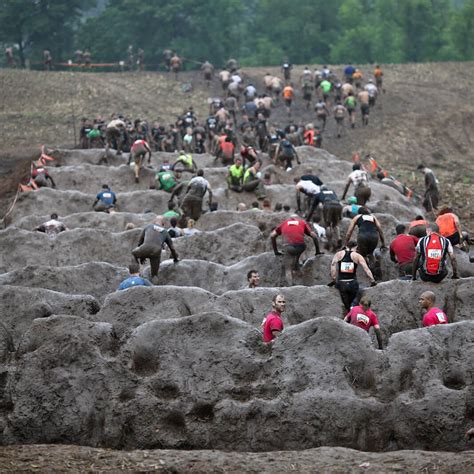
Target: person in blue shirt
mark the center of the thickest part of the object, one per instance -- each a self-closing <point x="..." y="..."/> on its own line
<point x="134" y="279"/>
<point x="349" y="70"/>
<point x="105" y="201"/>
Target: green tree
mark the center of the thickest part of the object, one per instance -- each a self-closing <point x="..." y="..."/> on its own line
<point x="461" y="31"/>
<point x="40" y="24"/>
<point x="196" y="30"/>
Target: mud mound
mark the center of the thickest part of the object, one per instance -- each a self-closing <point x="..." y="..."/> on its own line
<point x="164" y="390"/>
<point x="92" y="278"/>
<point x="182" y="364"/>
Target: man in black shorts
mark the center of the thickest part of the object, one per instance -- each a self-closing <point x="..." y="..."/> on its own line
<point x="368" y="236"/>
<point x="431" y="253"/>
<point x="344" y="274"/>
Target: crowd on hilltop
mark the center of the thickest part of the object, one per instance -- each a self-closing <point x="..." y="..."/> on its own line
<point x="238" y="130"/>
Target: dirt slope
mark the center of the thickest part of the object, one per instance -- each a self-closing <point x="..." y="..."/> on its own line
<point x="425" y="115"/>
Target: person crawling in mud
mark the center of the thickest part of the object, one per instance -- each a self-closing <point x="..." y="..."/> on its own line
<point x="40" y="176"/>
<point x="105" y="201"/>
<point x="52" y="227"/>
<point x="152" y="240"/>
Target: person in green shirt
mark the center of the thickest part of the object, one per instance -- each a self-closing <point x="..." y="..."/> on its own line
<point x="253" y="182"/>
<point x="350" y="104"/>
<point x="185" y="162"/>
<point x="171" y="212"/>
<point x="326" y="87"/>
<point x="235" y="176"/>
<point x="167" y="180"/>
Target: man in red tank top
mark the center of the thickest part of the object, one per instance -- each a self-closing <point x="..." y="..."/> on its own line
<point x="293" y="231"/>
<point x="432" y="315"/>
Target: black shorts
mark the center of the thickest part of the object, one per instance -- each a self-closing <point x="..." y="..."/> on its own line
<point x="292" y="255"/>
<point x="367" y="243"/>
<point x="349" y="291"/>
<point x="365" y="109"/>
<point x="454" y="239"/>
<point x="433" y="278"/>
<point x="332" y="213"/>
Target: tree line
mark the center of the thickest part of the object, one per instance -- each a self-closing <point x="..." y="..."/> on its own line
<point x="256" y="32"/>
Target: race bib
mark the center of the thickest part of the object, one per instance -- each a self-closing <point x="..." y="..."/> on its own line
<point x="441" y="317"/>
<point x="347" y="267"/>
<point x="362" y="318"/>
<point x="293" y="222"/>
<point x="434" y="253"/>
<point x="107" y="195"/>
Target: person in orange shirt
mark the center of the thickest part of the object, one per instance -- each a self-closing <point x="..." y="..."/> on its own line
<point x="378" y="74"/>
<point x="357" y="78"/>
<point x="449" y="225"/>
<point x="417" y="227"/>
<point x="288" y="93"/>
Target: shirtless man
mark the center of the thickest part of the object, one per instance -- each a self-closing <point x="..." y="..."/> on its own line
<point x="175" y="65"/>
<point x="138" y="152"/>
<point x="277" y="87"/>
<point x="208" y="72"/>
<point x="363" y="99"/>
<point x="267" y="81"/>
<point x="113" y="133"/>
<point x="150" y="244"/>
<point x="224" y="77"/>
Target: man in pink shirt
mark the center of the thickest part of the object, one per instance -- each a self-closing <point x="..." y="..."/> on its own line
<point x="433" y="315"/>
<point x="273" y="324"/>
<point x="363" y="317"/>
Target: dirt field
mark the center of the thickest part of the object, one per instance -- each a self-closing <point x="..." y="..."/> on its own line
<point x="424" y="116"/>
<point x="56" y="458"/>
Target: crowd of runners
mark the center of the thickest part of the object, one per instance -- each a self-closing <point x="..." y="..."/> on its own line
<point x="239" y="132"/>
